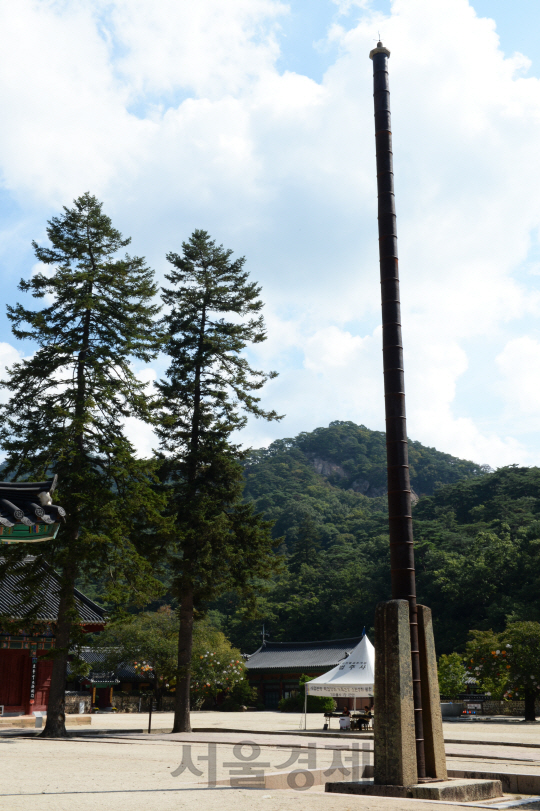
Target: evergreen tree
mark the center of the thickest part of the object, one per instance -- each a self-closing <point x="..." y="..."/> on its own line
<point x="210" y="387"/>
<point x="66" y="411"/>
<point x="307" y="546"/>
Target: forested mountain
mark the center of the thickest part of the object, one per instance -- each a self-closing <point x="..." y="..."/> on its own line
<point x="477" y="539"/>
<point x="477" y="536"/>
<point x="478" y="553"/>
<point x="353" y="458"/>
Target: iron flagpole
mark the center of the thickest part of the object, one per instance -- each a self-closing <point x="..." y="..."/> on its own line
<point x="399" y="488"/>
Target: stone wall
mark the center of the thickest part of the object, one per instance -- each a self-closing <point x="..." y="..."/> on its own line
<point x="73" y="700"/>
<point x="122" y="703"/>
<point x="141" y="703"/>
<point x="513" y="708"/>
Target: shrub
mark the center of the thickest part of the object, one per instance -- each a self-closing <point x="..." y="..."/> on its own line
<point x="241" y="695"/>
<point x="295" y="703"/>
<point x="452" y="674"/>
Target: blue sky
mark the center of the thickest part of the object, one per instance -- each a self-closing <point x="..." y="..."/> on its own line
<point x="253" y="119"/>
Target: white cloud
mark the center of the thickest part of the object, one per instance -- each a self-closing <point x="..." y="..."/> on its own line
<point x="332" y="347"/>
<point x="519" y="365"/>
<point x="139" y="433"/>
<point x="209" y="48"/>
<point x="68" y="124"/>
<point x="177" y="115"/>
<point x="430" y="406"/>
<point x="8" y="356"/>
<point x="344" y="6"/>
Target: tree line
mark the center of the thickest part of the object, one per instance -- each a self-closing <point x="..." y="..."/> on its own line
<point x="130" y="520"/>
<point x="202" y="524"/>
<point x="477" y="543"/>
<point x="503" y="665"/>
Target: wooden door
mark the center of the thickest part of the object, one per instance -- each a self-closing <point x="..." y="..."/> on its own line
<point x="14" y="665"/>
<point x="43" y="684"/>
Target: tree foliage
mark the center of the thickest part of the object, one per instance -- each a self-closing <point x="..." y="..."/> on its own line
<point x="221" y="543"/>
<point x="478" y="553"/>
<point x="216" y="667"/>
<point x="148" y="639"/>
<point x="297" y="701"/>
<point x="67" y="407"/>
<point x="149" y="642"/>
<point x="361" y="455"/>
<point x="452" y="674"/>
<point x="510" y="658"/>
<point x="477" y="543"/>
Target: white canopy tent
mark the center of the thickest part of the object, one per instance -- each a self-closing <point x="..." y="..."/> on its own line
<point x="353" y="677"/>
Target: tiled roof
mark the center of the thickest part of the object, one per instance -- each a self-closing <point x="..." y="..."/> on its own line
<point x="45" y="597"/>
<point x="29" y="503"/>
<point x="279" y="655"/>
<point x="96" y="658"/>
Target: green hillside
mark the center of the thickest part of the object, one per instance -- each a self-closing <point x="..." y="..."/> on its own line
<point x="478" y="553"/>
<point x="353" y="458"/>
<point x="477" y="537"/>
<point x="325" y="492"/>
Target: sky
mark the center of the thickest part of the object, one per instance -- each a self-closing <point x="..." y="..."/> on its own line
<point x="253" y="119"/>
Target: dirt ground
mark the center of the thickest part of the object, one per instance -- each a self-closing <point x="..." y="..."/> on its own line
<point x="45" y="775"/>
<point x="117" y="774"/>
<point x="474" y="728"/>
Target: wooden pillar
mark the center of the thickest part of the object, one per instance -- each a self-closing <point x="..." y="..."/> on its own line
<point x="26" y="683"/>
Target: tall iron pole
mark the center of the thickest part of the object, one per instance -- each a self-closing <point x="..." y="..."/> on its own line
<point x="399" y="487"/>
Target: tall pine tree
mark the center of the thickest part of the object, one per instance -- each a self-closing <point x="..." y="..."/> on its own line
<point x="67" y="407"/>
<point x="213" y="315"/>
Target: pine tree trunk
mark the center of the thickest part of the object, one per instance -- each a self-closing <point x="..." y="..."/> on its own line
<point x="182" y="721"/>
<point x="67" y="614"/>
<point x="530" y="714"/>
<point x="55" y="726"/>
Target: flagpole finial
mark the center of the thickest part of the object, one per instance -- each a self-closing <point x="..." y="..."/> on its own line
<point x="380" y="49"/>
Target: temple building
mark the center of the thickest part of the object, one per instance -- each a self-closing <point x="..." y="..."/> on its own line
<point x="25" y="674"/>
<point x="101" y="683"/>
<point x="275" y="668"/>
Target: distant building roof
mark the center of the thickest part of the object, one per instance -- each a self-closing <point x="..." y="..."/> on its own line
<point x="96" y="658"/>
<point x="28" y="503"/>
<point x="300" y="655"/>
<point x="45" y="598"/>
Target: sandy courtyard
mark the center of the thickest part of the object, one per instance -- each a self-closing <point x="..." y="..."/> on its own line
<point x="118" y="774"/>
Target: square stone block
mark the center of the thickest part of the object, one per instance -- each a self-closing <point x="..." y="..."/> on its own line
<point x="448" y="790"/>
<point x="464" y="791"/>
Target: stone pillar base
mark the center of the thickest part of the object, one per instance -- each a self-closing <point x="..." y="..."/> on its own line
<point x="394" y="731"/>
<point x="431" y="698"/>
<point x="393" y="725"/>
<point x="450" y="790"/>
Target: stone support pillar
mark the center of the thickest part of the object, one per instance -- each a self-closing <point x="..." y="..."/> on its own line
<point x="431" y="699"/>
<point x="394" y="730"/>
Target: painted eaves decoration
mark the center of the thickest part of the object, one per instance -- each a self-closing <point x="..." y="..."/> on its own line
<point x="27" y="512"/>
